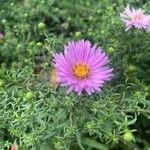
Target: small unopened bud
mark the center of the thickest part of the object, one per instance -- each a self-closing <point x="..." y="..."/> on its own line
<point x="77" y="34"/>
<point x="99" y="11"/>
<point x="43" y="2"/>
<point x="132" y="68"/>
<point x="102" y="32"/>
<point x="29" y="95"/>
<point x="12" y="4"/>
<point x="68" y="19"/>
<point x="4" y="21"/>
<point x="41" y="26"/>
<point x="39" y="44"/>
<point x="128" y="136"/>
<point x="25" y="15"/>
<point x="46" y="64"/>
<point x="111" y="50"/>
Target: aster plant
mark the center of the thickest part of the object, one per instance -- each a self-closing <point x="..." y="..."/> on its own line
<point x="82" y="67"/>
<point x="38" y="115"/>
<point x="135" y="18"/>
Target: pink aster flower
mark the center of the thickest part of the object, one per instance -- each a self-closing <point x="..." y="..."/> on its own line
<point x="82" y="67"/>
<point x="14" y="147"/>
<point x="135" y="18"/>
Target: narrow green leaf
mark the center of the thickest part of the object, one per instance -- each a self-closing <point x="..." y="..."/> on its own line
<point x="78" y="136"/>
<point x="94" y="144"/>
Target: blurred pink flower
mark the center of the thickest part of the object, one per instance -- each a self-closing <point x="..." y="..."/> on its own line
<point x="82" y="67"/>
<point x="14" y="147"/>
<point x="135" y="18"/>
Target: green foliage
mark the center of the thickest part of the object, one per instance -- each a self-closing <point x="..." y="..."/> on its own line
<point x="37" y="114"/>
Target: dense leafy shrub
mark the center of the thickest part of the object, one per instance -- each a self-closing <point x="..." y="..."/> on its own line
<point x="36" y="113"/>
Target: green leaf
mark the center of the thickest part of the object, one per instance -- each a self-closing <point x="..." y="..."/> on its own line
<point x="94" y="144"/>
<point x="133" y="120"/>
<point x="78" y="136"/>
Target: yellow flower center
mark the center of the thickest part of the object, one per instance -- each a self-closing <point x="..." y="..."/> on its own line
<point x="81" y="71"/>
<point x="138" y="17"/>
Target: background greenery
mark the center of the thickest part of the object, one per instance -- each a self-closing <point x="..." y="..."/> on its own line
<point x="36" y="113"/>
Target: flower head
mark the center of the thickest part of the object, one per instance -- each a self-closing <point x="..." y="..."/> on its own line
<point x="82" y="67"/>
<point x="14" y="147"/>
<point x="135" y="18"/>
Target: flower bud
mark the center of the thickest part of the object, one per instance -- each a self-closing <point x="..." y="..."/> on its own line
<point x="39" y="44"/>
<point x="77" y="34"/>
<point x="132" y="68"/>
<point x="29" y="95"/>
<point x="25" y="15"/>
<point x="111" y="50"/>
<point x="4" y="21"/>
<point x="128" y="136"/>
<point x="68" y="19"/>
<point x="41" y="26"/>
